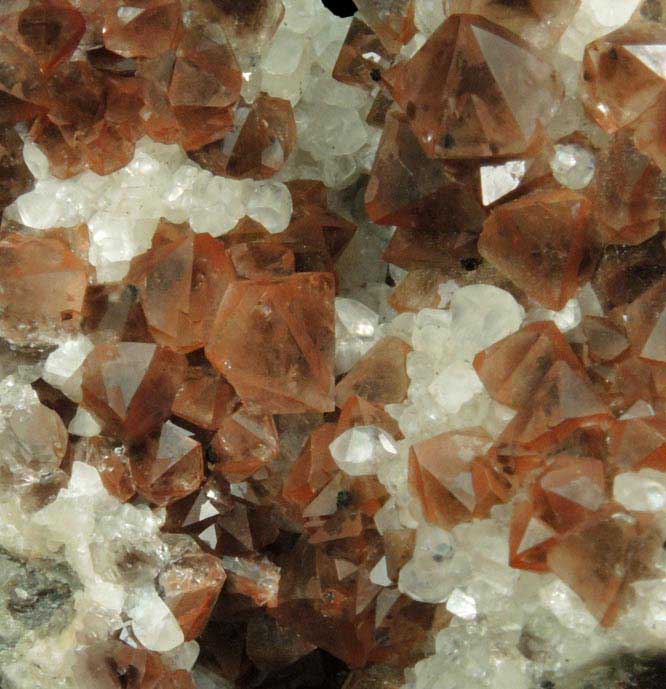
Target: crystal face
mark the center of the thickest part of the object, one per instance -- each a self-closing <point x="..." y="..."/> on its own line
<point x="332" y="350"/>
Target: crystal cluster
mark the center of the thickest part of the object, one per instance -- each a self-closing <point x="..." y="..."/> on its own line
<point x="333" y="351"/>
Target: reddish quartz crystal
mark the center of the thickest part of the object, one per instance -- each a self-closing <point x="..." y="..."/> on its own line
<point x="379" y="376"/>
<point x="169" y="467"/>
<point x="601" y="561"/>
<point x="627" y="193"/>
<point x="245" y="441"/>
<point x="42" y="287"/>
<point x="181" y="281"/>
<point x="289" y="322"/>
<point x="542" y="243"/>
<point x="563" y="402"/>
<point x="362" y="57"/>
<point x="622" y="74"/>
<point x="474" y="89"/>
<point x="112" y="463"/>
<point x="130" y="386"/>
<point x="441" y="475"/>
<point x="117" y="665"/>
<point x="263" y="136"/>
<point x="191" y="587"/>
<point x="391" y="20"/>
<point x="513" y="368"/>
<point x="540" y="22"/>
<point x="204" y="398"/>
<point x="15" y="178"/>
<point x="143" y="28"/>
<point x="408" y="189"/>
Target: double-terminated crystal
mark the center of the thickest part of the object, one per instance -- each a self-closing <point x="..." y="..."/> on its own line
<point x="288" y="323"/>
<point x="475" y="90"/>
<point x="181" y="281"/>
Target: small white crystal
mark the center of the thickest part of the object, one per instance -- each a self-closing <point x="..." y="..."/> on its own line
<point x="269" y="203"/>
<point x="568" y="318"/>
<point x="482" y="315"/>
<point x="379" y="574"/>
<point x="360" y="450"/>
<point x="455" y="385"/>
<point x="356" y="331"/>
<point x="573" y="166"/>
<point x="638" y="410"/>
<point x="461" y="605"/>
<point x="446" y="290"/>
<point x="153" y="624"/>
<point x="643" y="491"/>
<point x="500" y="179"/>
<point x="84" y="424"/>
<point x="61" y="369"/>
<point x="35" y="160"/>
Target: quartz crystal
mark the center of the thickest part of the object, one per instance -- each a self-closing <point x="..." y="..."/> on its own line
<point x="474" y="89"/>
<point x="289" y="369"/>
<point x="540" y="23"/>
<point x="332" y="350"/>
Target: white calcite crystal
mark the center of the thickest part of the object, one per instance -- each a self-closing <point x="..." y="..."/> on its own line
<point x="573" y="166"/>
<point x="643" y="491"/>
<point x="445" y="392"/>
<point x="122" y="209"/>
<point x="62" y="368"/>
<point x="362" y="449"/>
<point x="92" y="533"/>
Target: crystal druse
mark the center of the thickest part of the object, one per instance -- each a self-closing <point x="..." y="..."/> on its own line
<point x="332" y="351"/>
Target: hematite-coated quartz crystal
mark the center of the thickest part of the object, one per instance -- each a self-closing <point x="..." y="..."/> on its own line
<point x="332" y="351"/>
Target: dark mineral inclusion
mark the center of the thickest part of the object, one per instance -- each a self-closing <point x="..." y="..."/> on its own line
<point x="36" y="600"/>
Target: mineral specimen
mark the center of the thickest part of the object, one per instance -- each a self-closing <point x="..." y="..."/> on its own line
<point x="333" y="351"/>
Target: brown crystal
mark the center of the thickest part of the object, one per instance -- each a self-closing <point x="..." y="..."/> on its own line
<point x="205" y="73"/>
<point x="541" y="242"/>
<point x="362" y="57"/>
<point x="42" y="287"/>
<point x="204" y="398"/>
<point x="391" y="20"/>
<point x="130" y="386"/>
<point x="380" y="376"/>
<point x="262" y="139"/>
<point x="564" y="401"/>
<point x="410" y="190"/>
<point x="112" y="463"/>
<point x="143" y="28"/>
<point x="15" y="178"/>
<point x="246" y="441"/>
<point x="442" y="477"/>
<point x="288" y="323"/>
<point x="169" y="467"/>
<point x="117" y="665"/>
<point x="316" y="235"/>
<point x="513" y="368"/>
<point x="622" y="75"/>
<point x="191" y="587"/>
<point x="50" y="30"/>
<point x="601" y="561"/>
<point x="475" y="90"/>
<point x="181" y="281"/>
<point x="627" y="193"/>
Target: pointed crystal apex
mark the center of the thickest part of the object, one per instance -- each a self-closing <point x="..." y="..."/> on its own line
<point x="475" y="90"/>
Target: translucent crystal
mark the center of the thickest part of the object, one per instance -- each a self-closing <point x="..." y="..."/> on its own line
<point x="573" y="166"/>
<point x="644" y="490"/>
<point x="359" y="451"/>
